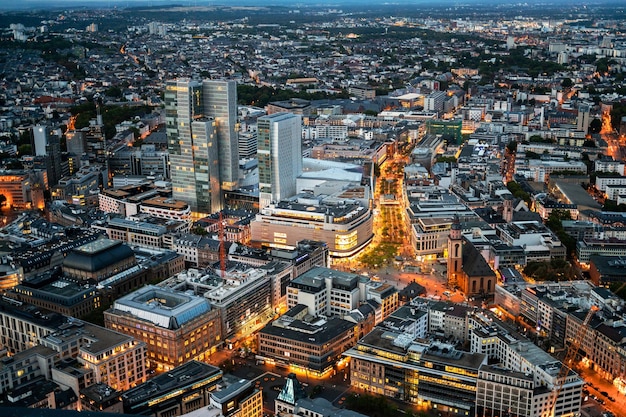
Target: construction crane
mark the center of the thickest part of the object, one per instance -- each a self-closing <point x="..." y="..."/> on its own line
<point x="568" y="360"/>
<point x="222" y="245"/>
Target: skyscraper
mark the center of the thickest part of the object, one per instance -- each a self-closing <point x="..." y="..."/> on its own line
<point x="201" y="118"/>
<point x="280" y="156"/>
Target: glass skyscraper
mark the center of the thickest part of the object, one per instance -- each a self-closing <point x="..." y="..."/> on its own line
<point x="280" y="156"/>
<point x="201" y="119"/>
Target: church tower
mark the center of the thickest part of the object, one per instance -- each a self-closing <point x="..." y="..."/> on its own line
<point x="455" y="254"/>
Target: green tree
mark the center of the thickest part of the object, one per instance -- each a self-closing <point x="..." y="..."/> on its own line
<point x="595" y="126"/>
<point x="114" y="91"/>
<point x="512" y="146"/>
<point x="25" y="149"/>
<point x="518" y="192"/>
<point x="567" y="83"/>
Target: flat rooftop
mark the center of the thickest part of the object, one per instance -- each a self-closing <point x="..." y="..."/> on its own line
<point x="165" y="308"/>
<point x="178" y="378"/>
<point x="316" y="277"/>
<point x="97" y="246"/>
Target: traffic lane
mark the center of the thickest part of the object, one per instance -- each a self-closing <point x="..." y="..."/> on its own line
<point x="596" y="385"/>
<point x="435" y="284"/>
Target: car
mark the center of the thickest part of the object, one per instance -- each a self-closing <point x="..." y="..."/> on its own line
<point x="606" y="394"/>
<point x="611" y="398"/>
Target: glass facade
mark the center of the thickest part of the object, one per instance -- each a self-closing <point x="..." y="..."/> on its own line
<point x="202" y="141"/>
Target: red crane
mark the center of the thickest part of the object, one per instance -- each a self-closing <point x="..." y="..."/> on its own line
<point x="567" y="363"/>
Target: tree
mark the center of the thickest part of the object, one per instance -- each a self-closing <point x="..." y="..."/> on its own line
<point x="567" y="83"/>
<point x="512" y="146"/>
<point x="25" y="149"/>
<point x="595" y="126"/>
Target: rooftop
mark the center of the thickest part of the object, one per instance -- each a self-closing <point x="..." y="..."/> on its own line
<point x="165" y="308"/>
<point x="186" y="375"/>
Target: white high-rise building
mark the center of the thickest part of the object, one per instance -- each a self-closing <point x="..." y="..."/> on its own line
<point x="280" y="156"/>
<point x="201" y="118"/>
<point x="40" y="136"/>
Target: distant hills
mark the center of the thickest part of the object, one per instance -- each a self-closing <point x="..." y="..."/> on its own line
<point x="61" y="4"/>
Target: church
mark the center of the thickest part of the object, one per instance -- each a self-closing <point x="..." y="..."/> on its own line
<point x="467" y="269"/>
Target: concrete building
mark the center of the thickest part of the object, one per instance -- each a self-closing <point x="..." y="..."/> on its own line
<point x="362" y="92"/>
<point x="327" y="292"/>
<point x="432" y="375"/>
<point x="243" y="295"/>
<point x="98" y="260"/>
<point x="312" y="344"/>
<point x="62" y="295"/>
<point x="604" y="247"/>
<point x="345" y="226"/>
<point x="113" y="358"/>
<point x="101" y="398"/>
<point x="104" y="356"/>
<point x="236" y="398"/>
<point x="150" y="198"/>
<point x="524" y="370"/>
<point x="182" y="390"/>
<point x="539" y="242"/>
<point x="176" y="327"/>
<point x="149" y="233"/>
<point x="295" y="106"/>
<point x="280" y="156"/>
<point x="18" y="187"/>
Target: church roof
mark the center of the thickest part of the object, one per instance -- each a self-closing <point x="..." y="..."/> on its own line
<point x="474" y="265"/>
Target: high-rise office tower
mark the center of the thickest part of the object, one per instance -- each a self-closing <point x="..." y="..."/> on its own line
<point x="201" y="118"/>
<point x="280" y="156"/>
<point x="48" y="149"/>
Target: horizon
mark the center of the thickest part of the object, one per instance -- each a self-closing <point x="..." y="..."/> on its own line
<point x="34" y="5"/>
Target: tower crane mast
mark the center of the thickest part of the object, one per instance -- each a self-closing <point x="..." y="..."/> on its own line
<point x="568" y="360"/>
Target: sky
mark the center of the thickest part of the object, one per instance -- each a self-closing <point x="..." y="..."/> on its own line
<point x="48" y="4"/>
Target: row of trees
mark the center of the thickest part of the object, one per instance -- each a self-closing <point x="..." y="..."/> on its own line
<point x="261" y="96"/>
<point x="111" y="115"/>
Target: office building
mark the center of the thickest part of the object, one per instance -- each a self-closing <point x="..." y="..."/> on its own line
<point x="236" y="398"/>
<point x="101" y="398"/>
<point x="432" y="375"/>
<point x="69" y="297"/>
<point x="346" y="226"/>
<point x="280" y="156"/>
<point x="92" y="353"/>
<point x="111" y="358"/>
<point x="327" y="292"/>
<point x="180" y="391"/>
<point x="301" y="341"/>
<point x="202" y="141"/>
<point x="242" y="295"/>
<point x="176" y="327"/>
<point x="48" y="147"/>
